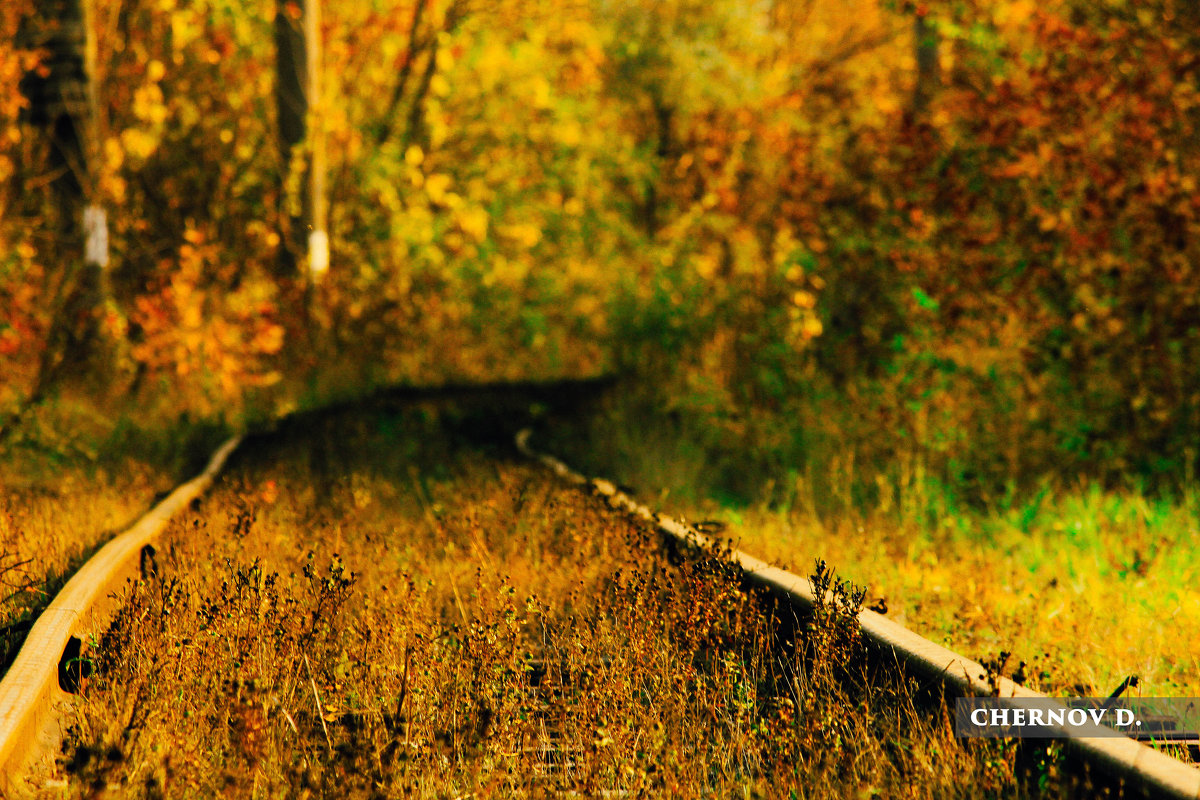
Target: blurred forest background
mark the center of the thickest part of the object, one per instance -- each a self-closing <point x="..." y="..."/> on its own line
<point x="903" y="250"/>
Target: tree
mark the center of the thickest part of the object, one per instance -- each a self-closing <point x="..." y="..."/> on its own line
<point x="925" y="35"/>
<point x="298" y="97"/>
<point x="62" y="104"/>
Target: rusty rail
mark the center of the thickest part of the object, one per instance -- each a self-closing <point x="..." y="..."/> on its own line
<point x="1141" y="767"/>
<point x="30" y="690"/>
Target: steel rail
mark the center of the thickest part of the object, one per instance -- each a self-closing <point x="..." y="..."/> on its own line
<point x="1138" y="765"/>
<point x="30" y="690"/>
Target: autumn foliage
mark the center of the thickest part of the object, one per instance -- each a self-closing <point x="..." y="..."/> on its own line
<point x="1042" y="227"/>
<point x="743" y="202"/>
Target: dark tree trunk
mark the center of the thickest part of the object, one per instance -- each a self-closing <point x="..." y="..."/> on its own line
<point x="291" y="102"/>
<point x="62" y="109"/>
<point x="928" y="75"/>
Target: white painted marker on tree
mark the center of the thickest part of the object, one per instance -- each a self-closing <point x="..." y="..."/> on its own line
<point x="318" y="253"/>
<point x="95" y="229"/>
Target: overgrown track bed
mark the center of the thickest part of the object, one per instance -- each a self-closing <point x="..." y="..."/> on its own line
<point x="49" y="655"/>
<point x="50" y="522"/>
<point x="372" y="608"/>
<point x="949" y="674"/>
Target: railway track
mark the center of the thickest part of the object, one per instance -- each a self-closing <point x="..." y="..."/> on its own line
<point x="39" y="677"/>
<point x="30" y="692"/>
<point x="1135" y="764"/>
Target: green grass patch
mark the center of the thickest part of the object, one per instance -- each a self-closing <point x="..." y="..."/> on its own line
<point x="1081" y="586"/>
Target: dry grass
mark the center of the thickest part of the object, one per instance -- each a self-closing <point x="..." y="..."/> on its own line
<point x="1081" y="587"/>
<point x="1074" y="613"/>
<point x="371" y="612"/>
<point x="71" y="477"/>
<point x="51" y="520"/>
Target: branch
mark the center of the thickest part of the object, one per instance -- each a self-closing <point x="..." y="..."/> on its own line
<point x="405" y="72"/>
<point x="454" y="15"/>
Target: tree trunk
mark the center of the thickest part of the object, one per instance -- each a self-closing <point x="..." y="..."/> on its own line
<point x="318" y="238"/>
<point x="926" y="37"/>
<point x="297" y="92"/>
<point x="291" y="102"/>
<point x="62" y="107"/>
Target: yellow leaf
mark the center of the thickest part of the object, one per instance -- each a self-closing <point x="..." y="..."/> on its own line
<point x="474" y="222"/>
<point x="436" y="186"/>
<point x="541" y="93"/>
<point x="525" y="235"/>
<point x="804" y="299"/>
<point x="114" y="156"/>
<point x="569" y="133"/>
<point x="269" y="339"/>
<point x="138" y="143"/>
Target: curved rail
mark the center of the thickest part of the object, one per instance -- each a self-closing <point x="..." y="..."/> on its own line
<point x="30" y="688"/>
<point x="1139" y="765"/>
